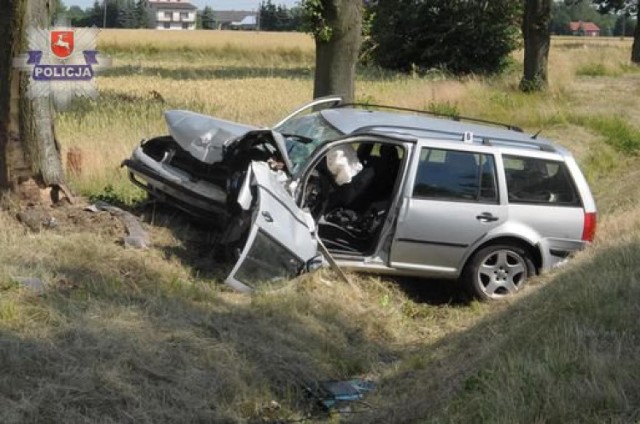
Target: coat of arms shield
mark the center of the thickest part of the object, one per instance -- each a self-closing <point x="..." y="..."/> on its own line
<point x="62" y="43"/>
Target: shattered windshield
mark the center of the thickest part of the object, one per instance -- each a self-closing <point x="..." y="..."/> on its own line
<point x="303" y="134"/>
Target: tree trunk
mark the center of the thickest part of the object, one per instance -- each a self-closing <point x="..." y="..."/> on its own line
<point x="635" y="50"/>
<point x="537" y="40"/>
<point x="336" y="58"/>
<point x="29" y="154"/>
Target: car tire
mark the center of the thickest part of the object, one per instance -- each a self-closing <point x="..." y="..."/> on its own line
<point x="498" y="271"/>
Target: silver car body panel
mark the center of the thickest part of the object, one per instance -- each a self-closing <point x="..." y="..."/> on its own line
<point x="442" y="249"/>
<point x="588" y="203"/>
<point x="204" y="137"/>
<point x="349" y="120"/>
<point x="433" y="237"/>
<point x="322" y="102"/>
<point x="436" y="235"/>
<point x="278" y="220"/>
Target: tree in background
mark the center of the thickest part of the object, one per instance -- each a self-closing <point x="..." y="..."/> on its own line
<point x="625" y="26"/>
<point x="95" y="15"/>
<point x="60" y="11"/>
<point x="336" y="26"/>
<point x="75" y="15"/>
<point x="561" y="18"/>
<point x="141" y="14"/>
<point x="279" y="18"/>
<point x="562" y="13"/>
<point x="268" y="16"/>
<point x="120" y="14"/>
<point x="474" y="36"/>
<point x="537" y="41"/>
<point x="625" y="8"/>
<point x="128" y="15"/>
<point x="208" y="18"/>
<point x="87" y="17"/>
<point x="29" y="154"/>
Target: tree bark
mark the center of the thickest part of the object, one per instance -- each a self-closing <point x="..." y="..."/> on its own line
<point x="537" y="41"/>
<point x="29" y="154"/>
<point x="635" y="50"/>
<point x="336" y="58"/>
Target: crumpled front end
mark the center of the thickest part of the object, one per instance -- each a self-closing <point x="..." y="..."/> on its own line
<point x="204" y="137"/>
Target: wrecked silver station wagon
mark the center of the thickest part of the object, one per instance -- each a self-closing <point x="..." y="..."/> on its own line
<point x="392" y="191"/>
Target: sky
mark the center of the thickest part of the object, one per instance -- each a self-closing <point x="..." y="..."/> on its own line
<point x="214" y="4"/>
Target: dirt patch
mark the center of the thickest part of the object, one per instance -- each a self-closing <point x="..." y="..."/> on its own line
<point x="65" y="218"/>
<point x="168" y="231"/>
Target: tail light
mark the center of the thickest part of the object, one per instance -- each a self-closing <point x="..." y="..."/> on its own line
<point x="589" y="228"/>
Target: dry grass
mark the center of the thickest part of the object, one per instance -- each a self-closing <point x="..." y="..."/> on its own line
<point x="137" y="39"/>
<point x="151" y="336"/>
<point x="136" y="336"/>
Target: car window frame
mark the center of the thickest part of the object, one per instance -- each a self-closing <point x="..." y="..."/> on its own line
<point x="497" y="163"/>
<point x="296" y="169"/>
<point x="568" y="172"/>
<point x="302" y="176"/>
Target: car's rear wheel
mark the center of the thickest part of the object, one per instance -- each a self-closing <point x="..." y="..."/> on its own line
<point x="498" y="271"/>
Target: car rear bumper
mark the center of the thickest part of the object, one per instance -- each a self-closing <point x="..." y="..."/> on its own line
<point x="556" y="252"/>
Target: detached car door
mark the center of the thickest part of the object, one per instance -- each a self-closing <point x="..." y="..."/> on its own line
<point x="281" y="242"/>
<point x="450" y="204"/>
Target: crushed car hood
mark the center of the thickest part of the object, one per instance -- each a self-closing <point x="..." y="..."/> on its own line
<point x="202" y="136"/>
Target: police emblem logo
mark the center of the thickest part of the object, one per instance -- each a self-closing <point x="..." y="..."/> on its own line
<point x="62" y="63"/>
<point x="62" y="43"/>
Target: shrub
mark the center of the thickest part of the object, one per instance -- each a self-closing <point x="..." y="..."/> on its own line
<point x="472" y="36"/>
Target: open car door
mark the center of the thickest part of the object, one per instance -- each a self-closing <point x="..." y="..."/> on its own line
<point x="281" y="243"/>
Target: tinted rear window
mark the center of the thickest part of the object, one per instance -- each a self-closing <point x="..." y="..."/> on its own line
<point x="538" y="181"/>
<point x="456" y="175"/>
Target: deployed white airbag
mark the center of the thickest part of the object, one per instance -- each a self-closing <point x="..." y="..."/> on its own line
<point x="344" y="164"/>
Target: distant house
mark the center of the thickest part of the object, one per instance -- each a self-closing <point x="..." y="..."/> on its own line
<point x="171" y="14"/>
<point x="588" y="29"/>
<point x="236" y="19"/>
<point x="248" y="23"/>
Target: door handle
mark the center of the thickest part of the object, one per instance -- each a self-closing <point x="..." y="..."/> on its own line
<point x="486" y="217"/>
<point x="267" y="216"/>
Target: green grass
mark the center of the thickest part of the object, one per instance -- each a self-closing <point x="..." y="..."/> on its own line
<point x="601" y="162"/>
<point x="598" y="70"/>
<point x="443" y="108"/>
<point x="618" y="133"/>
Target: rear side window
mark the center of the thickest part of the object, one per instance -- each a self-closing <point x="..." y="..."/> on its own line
<point x="456" y="175"/>
<point x="538" y="181"/>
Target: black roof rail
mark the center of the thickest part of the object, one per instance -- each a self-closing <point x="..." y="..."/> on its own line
<point x="489" y="141"/>
<point x="542" y="146"/>
<point x="436" y="114"/>
<point x="376" y="131"/>
<point x="380" y="130"/>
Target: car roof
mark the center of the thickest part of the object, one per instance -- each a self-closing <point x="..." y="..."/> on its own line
<point x="350" y="120"/>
